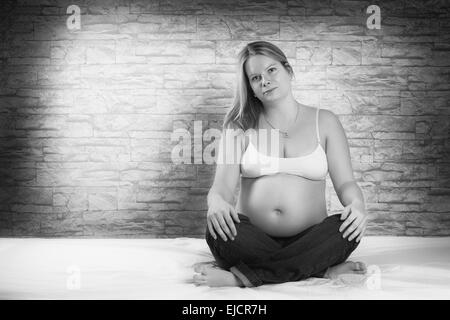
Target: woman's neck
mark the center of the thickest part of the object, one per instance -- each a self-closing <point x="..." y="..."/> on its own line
<point x="281" y="113"/>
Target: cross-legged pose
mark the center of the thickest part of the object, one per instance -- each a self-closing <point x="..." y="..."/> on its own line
<point x="281" y="151"/>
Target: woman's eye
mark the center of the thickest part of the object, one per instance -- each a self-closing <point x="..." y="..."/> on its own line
<point x="273" y="68"/>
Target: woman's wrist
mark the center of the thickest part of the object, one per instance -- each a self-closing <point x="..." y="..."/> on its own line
<point x="213" y="197"/>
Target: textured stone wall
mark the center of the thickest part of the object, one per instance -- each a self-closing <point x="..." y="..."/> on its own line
<point x="86" y="116"/>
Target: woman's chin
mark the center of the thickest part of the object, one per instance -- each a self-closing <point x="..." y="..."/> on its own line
<point x="271" y="97"/>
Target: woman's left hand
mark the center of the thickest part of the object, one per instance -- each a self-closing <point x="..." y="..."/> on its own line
<point x="355" y="217"/>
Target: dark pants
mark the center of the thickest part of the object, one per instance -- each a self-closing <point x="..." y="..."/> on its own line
<point x="257" y="258"/>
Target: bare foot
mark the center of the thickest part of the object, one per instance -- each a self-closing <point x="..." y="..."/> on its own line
<point x="348" y="267"/>
<point x="212" y="264"/>
<point x="214" y="277"/>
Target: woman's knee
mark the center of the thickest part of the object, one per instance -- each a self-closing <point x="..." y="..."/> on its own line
<point x="241" y="234"/>
<point x="244" y="247"/>
<point x="334" y="223"/>
<point x="333" y="220"/>
<point x="241" y="229"/>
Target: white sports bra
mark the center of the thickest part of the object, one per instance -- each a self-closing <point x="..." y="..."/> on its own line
<point x="311" y="166"/>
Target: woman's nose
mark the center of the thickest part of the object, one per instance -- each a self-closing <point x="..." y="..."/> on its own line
<point x="265" y="81"/>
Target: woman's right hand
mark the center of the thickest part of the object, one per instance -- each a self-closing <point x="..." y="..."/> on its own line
<point x="220" y="219"/>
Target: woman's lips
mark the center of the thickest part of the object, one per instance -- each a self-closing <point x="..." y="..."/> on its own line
<point x="269" y="91"/>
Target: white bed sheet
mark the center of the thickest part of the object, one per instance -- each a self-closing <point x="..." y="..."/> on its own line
<point x="36" y="268"/>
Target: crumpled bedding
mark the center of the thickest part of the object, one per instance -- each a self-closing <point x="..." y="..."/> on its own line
<point x="162" y="269"/>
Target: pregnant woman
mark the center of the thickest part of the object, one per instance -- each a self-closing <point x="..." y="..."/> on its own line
<point x="279" y="230"/>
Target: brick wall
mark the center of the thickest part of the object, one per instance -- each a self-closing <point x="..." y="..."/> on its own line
<point x="86" y="116"/>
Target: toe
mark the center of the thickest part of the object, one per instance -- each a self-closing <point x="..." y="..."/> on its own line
<point x="199" y="279"/>
<point x="361" y="266"/>
<point x="202" y="266"/>
<point x="198" y="268"/>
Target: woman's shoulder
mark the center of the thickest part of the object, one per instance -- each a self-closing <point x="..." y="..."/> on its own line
<point x="329" y="124"/>
<point x="312" y="110"/>
<point x="327" y="120"/>
<point x="327" y="117"/>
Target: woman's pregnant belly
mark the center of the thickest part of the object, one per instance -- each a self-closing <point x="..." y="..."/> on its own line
<point x="282" y="205"/>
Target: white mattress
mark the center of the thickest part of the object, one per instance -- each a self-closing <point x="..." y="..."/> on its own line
<point x="400" y="268"/>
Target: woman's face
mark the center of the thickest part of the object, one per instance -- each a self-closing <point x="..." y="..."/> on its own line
<point x="264" y="74"/>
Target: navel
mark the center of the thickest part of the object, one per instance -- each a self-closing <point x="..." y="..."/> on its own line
<point x="277" y="211"/>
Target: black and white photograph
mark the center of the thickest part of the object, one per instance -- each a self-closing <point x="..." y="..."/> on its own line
<point x="232" y="150"/>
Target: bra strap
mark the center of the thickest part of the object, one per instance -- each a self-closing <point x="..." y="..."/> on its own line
<point x="317" y="124"/>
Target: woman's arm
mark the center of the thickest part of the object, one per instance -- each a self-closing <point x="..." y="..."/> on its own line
<point x="339" y="161"/>
<point x="341" y="174"/>
<point x="227" y="166"/>
<point x="350" y="192"/>
<point x="221" y="195"/>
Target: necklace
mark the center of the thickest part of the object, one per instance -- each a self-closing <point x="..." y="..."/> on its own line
<point x="285" y="133"/>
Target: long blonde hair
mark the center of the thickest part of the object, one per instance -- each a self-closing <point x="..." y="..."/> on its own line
<point x="246" y="107"/>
